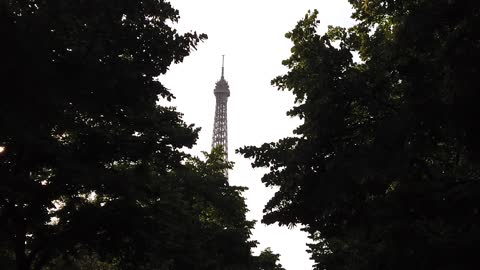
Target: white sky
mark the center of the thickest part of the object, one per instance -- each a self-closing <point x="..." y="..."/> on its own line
<point x="251" y="35"/>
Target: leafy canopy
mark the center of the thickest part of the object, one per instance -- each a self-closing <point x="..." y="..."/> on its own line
<point x="87" y="150"/>
<point x="384" y="170"/>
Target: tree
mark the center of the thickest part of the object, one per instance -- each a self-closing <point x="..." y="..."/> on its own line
<point x="211" y="233"/>
<point x="220" y="236"/>
<point x="384" y="170"/>
<point x="88" y="153"/>
<point x="267" y="260"/>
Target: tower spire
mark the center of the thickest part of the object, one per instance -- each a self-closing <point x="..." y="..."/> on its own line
<point x="223" y="61"/>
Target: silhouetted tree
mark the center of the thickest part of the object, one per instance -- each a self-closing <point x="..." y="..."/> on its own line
<point x="89" y="154"/>
<point x="220" y="237"/>
<point x="384" y="170"/>
<point x="208" y="230"/>
<point x="267" y="260"/>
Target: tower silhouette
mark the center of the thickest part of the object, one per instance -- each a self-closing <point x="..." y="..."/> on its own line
<point x="220" y="127"/>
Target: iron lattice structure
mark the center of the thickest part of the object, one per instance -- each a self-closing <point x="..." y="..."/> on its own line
<point x="220" y="126"/>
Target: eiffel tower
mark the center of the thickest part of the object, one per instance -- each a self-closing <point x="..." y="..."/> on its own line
<point x="220" y="127"/>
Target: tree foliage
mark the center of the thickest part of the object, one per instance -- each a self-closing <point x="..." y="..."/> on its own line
<point x="92" y="172"/>
<point x="384" y="171"/>
<point x="267" y="260"/>
<point x="207" y="231"/>
<point x="220" y="234"/>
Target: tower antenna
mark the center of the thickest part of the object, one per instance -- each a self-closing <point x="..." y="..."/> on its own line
<point x="223" y="61"/>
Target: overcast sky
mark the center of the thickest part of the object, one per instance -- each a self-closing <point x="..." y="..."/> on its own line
<point x="251" y="35"/>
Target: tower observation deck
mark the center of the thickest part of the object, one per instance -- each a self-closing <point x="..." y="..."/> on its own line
<point x="220" y="126"/>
